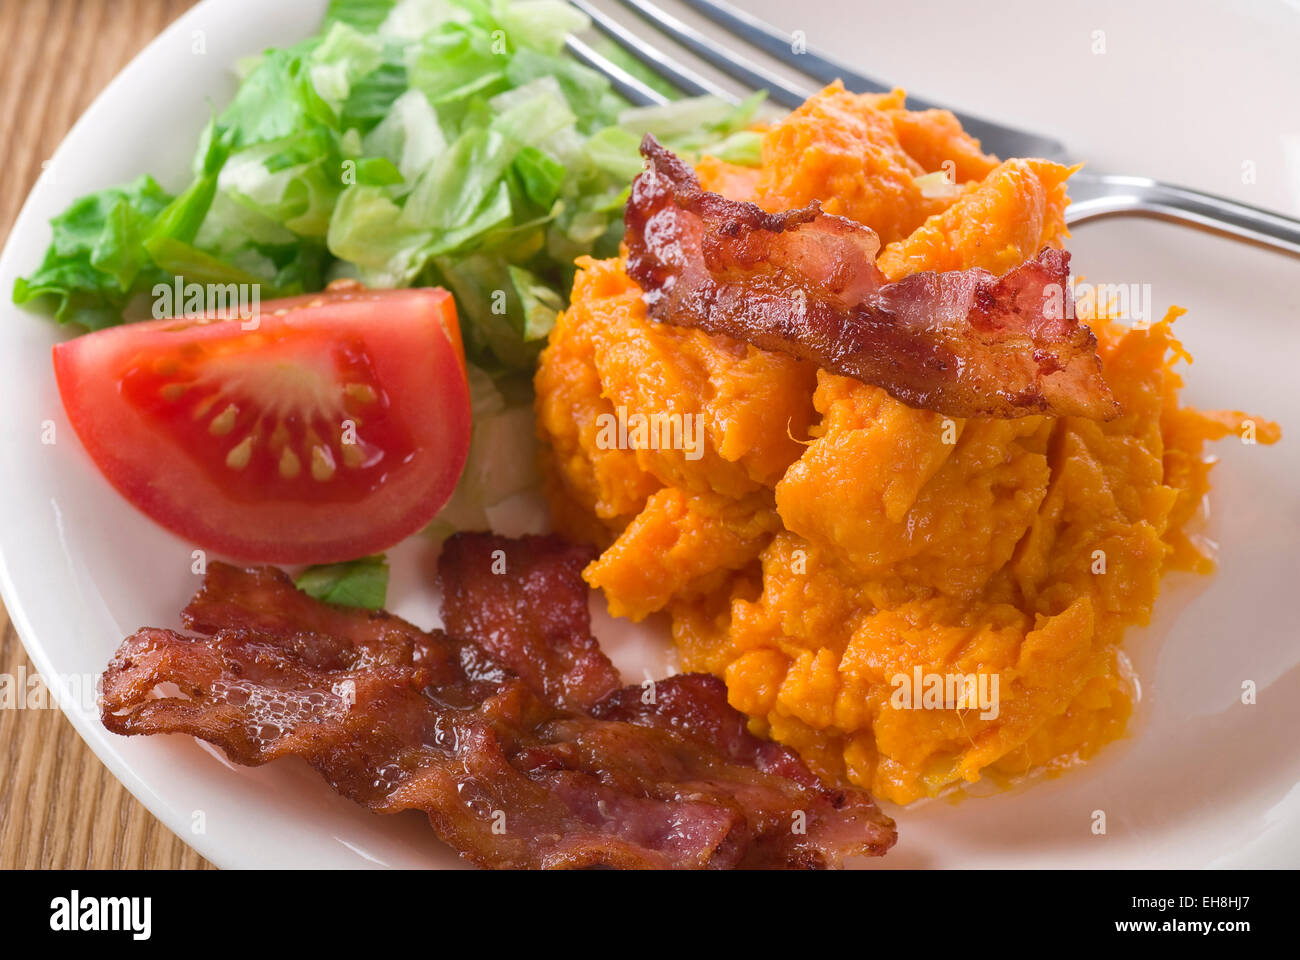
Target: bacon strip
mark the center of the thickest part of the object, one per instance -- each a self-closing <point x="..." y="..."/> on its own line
<point x="525" y="603"/>
<point x="803" y="282"/>
<point x="396" y="718"/>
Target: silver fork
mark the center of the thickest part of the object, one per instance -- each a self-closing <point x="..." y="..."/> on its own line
<point x="1093" y="195"/>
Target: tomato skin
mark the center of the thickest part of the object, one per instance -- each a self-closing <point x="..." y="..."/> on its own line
<point x="155" y="457"/>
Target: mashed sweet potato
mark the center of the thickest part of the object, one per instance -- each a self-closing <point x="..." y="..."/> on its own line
<point x="826" y="539"/>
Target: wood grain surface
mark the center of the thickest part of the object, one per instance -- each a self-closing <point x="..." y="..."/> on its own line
<point x="59" y="806"/>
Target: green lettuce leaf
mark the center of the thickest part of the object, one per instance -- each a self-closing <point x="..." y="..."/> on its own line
<point x="342" y="58"/>
<point x="367" y="230"/>
<point x="372" y="96"/>
<point x="354" y="583"/>
<point x="365" y="15"/>
<point x="539" y="25"/>
<point x="277" y="100"/>
<point x="409" y="136"/>
<point x="97" y="258"/>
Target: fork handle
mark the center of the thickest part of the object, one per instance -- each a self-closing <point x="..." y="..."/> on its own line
<point x="1095" y="195"/>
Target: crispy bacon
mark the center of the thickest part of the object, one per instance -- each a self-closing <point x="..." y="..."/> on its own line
<point x="530" y="614"/>
<point x="397" y="719"/>
<point x="803" y="282"/>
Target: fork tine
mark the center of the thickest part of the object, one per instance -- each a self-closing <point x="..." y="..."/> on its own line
<point x="679" y="75"/>
<point x="779" y="44"/>
<point x="629" y="86"/>
<point x="1002" y="140"/>
<point x="747" y="72"/>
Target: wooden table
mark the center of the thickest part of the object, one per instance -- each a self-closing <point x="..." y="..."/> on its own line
<point x="59" y="806"/>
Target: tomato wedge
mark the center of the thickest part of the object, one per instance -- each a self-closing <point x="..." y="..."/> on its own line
<point x="331" y="428"/>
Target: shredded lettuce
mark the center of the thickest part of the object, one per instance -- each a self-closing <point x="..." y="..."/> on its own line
<point x="354" y="583"/>
<point x="97" y="259"/>
<point x="449" y="142"/>
<point x="365" y="15"/>
<point x="342" y="58"/>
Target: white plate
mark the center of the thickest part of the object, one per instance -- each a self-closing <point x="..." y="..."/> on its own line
<point x="1190" y="92"/>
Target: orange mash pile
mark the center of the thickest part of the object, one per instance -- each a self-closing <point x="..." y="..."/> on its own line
<point x="825" y="540"/>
